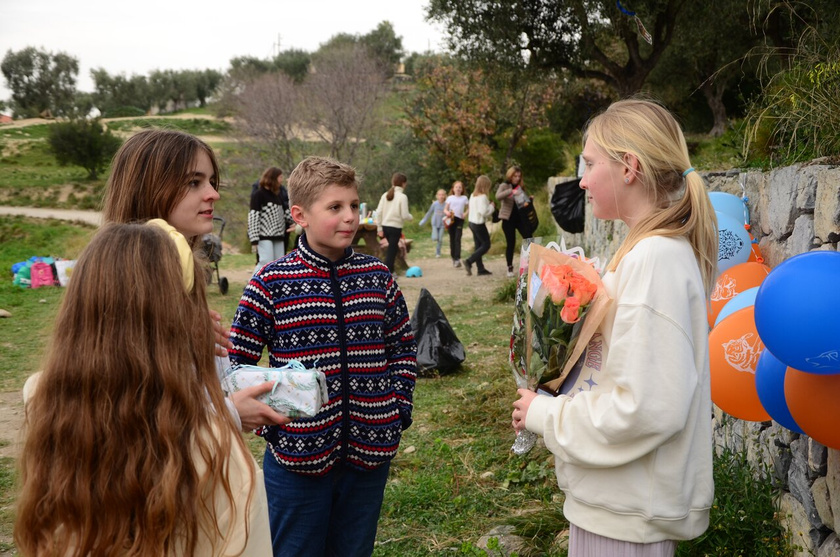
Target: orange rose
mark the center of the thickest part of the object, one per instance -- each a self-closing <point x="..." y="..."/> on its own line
<point x="554" y="280"/>
<point x="571" y="310"/>
<point x="582" y="289"/>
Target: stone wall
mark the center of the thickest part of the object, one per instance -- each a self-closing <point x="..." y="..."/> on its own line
<point x="792" y="210"/>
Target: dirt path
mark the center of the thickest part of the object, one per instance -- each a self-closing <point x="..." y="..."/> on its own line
<point x="89" y="217"/>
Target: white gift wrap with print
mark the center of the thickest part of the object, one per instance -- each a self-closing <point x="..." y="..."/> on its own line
<point x="298" y="392"/>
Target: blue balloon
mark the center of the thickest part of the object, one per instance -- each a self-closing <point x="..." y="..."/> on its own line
<point x="414" y="272"/>
<point x="797" y="312"/>
<point x="739" y="301"/>
<point x="731" y="205"/>
<point x="770" y="385"/>
<point x="733" y="242"/>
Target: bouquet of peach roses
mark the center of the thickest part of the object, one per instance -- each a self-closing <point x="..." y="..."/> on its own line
<point x="560" y="303"/>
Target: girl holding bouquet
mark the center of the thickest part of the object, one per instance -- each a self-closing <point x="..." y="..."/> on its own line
<point x="633" y="439"/>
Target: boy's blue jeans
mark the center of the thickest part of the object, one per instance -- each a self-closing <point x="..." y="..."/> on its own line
<point x="331" y="515"/>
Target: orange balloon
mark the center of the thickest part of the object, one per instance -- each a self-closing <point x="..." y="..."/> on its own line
<point x="812" y="401"/>
<point x="734" y="349"/>
<point x="732" y="282"/>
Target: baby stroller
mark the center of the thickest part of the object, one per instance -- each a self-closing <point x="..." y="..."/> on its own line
<point x="212" y="247"/>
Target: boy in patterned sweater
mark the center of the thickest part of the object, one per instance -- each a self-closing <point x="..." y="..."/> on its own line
<point x="341" y="312"/>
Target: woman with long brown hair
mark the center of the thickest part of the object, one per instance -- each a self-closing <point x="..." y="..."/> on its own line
<point x="269" y="219"/>
<point x="512" y="197"/>
<point x="172" y="179"/>
<point x="125" y="450"/>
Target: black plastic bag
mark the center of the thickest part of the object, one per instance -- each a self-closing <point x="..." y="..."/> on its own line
<point x="437" y="345"/>
<point x="568" y="206"/>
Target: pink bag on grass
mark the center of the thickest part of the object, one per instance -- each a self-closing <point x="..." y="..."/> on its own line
<point x="41" y="275"/>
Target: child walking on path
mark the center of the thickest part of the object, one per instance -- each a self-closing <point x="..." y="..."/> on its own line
<point x="342" y="313"/>
<point x="125" y="451"/>
<point x="391" y="215"/>
<point x="481" y="209"/>
<point x="456" y="211"/>
<point x="633" y="440"/>
<point x="435" y="213"/>
<point x="171" y="179"/>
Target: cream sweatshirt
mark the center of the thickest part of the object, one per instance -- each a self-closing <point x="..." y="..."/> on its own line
<point x="633" y="442"/>
<point x="394" y="212"/>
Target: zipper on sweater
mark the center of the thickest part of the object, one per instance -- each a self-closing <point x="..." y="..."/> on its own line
<point x="345" y="373"/>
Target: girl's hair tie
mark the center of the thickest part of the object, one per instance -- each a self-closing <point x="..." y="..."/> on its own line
<point x="690" y="169"/>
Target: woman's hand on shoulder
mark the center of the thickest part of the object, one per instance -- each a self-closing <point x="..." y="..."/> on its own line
<point x="254" y="413"/>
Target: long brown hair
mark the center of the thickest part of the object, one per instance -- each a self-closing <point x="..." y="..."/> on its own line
<point x="398" y="180"/>
<point x="268" y="180"/>
<point x="150" y="174"/>
<point x="649" y="132"/>
<point x="126" y="436"/>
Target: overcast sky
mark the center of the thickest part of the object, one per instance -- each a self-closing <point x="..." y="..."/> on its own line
<point x="137" y="37"/>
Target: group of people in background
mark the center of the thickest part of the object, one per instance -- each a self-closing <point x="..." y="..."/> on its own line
<point x="450" y="212"/>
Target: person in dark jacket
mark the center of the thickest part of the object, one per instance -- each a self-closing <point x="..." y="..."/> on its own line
<point x="340" y="312"/>
<point x="511" y="196"/>
<point x="269" y="220"/>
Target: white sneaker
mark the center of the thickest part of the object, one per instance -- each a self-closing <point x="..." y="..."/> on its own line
<point x="510" y="272"/>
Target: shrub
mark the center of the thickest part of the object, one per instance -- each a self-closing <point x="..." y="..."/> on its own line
<point x="84" y="143"/>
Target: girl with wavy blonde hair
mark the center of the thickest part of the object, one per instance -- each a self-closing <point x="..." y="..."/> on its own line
<point x="632" y="431"/>
<point x="126" y="451"/>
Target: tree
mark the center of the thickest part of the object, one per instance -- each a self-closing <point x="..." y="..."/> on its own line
<point x="84" y="143"/>
<point x="173" y="90"/>
<point x="268" y="114"/>
<point x="40" y="81"/>
<point x="468" y="115"/>
<point x="384" y="45"/>
<point x="341" y="98"/>
<point x="112" y="93"/>
<point x="294" y="63"/>
<point x="589" y="38"/>
<point x="206" y="82"/>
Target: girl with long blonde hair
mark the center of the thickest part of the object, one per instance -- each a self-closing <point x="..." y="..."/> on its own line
<point x="480" y="209"/>
<point x="126" y="450"/>
<point x="632" y="433"/>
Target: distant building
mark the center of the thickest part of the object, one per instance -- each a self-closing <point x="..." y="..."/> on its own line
<point x="5" y="119"/>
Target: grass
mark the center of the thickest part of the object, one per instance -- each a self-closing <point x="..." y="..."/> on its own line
<point x="25" y="334"/>
<point x="7" y="484"/>
<point x="35" y="131"/>
<point x="454" y="479"/>
<point x="195" y="126"/>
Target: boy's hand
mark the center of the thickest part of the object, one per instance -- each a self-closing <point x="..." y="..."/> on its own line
<point x="252" y="412"/>
<point x="223" y="343"/>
